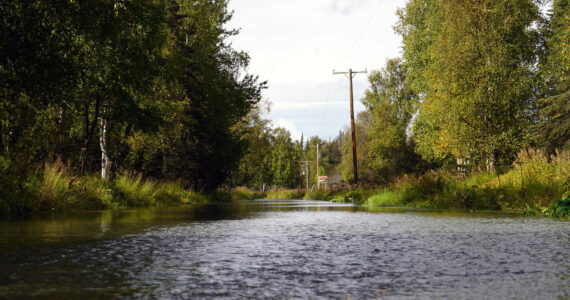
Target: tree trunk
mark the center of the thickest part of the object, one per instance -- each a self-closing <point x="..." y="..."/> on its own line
<point x="1" y="144"/>
<point x="163" y="150"/>
<point x="105" y="161"/>
<point x="89" y="130"/>
<point x="61" y="125"/>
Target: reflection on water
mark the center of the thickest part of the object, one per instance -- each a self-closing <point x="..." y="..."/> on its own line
<point x="284" y="249"/>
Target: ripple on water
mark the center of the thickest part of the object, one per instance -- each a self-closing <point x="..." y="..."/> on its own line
<point x="308" y="253"/>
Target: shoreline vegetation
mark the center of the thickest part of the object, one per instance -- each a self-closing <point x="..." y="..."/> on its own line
<point x="154" y="98"/>
<point x="535" y="186"/>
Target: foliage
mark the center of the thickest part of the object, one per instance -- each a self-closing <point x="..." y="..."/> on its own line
<point x="534" y="185"/>
<point x="243" y="193"/>
<point x="156" y="81"/>
<point x="560" y="209"/>
<point x="391" y="103"/>
<point x="285" y="194"/>
<point x="255" y="166"/>
<point x="474" y="70"/>
<point x="366" y="173"/>
<point x="54" y="187"/>
<point x="356" y="196"/>
<point x="284" y="159"/>
<point x="176" y="112"/>
<point x="554" y="130"/>
<point x="131" y="190"/>
<point x="537" y="181"/>
<point x="385" y="198"/>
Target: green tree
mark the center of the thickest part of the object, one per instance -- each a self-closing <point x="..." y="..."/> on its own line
<point x="477" y="79"/>
<point x="391" y="103"/>
<point x="212" y="91"/>
<point x="284" y="159"/>
<point x="38" y="69"/>
<point x="554" y="128"/>
<point x="366" y="173"/>
<point x="255" y="167"/>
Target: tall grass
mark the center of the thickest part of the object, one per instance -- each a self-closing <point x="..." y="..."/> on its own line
<point x="54" y="187"/>
<point x="243" y="193"/>
<point x="385" y="198"/>
<point x="534" y="184"/>
<point x="131" y="190"/>
<point x="285" y="194"/>
<point x="356" y="196"/>
<point x="170" y="193"/>
<point x="535" y="181"/>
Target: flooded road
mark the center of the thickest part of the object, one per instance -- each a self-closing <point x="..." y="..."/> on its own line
<point x="284" y="249"/>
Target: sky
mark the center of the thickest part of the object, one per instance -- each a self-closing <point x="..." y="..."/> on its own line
<point x="296" y="44"/>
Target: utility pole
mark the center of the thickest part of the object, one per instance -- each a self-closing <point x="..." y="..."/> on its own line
<point x="350" y="74"/>
<point x="306" y="163"/>
<point x="318" y="181"/>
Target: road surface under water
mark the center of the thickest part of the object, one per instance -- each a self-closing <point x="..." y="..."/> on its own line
<point x="284" y="249"/>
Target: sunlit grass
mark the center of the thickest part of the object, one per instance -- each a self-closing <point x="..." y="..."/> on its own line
<point x="243" y="193"/>
<point x="169" y="193"/>
<point x="285" y="194"/>
<point x="55" y="187"/>
<point x="131" y="190"/>
<point x="385" y="198"/>
<point x="534" y="184"/>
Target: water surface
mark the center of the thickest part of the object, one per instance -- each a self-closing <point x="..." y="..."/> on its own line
<point x="284" y="249"/>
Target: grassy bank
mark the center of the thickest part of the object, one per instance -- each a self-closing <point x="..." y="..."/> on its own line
<point x="53" y="187"/>
<point x="535" y="186"/>
<point x="284" y="194"/>
<point x="357" y="196"/>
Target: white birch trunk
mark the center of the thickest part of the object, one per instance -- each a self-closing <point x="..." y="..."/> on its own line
<point x="105" y="161"/>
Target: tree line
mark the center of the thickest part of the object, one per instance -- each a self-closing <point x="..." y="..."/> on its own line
<point x="154" y="87"/>
<point x="478" y="81"/>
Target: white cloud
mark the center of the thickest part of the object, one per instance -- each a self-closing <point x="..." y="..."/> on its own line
<point x="295" y="45"/>
<point x="281" y="106"/>
<point x="344" y="7"/>
<point x="290" y="126"/>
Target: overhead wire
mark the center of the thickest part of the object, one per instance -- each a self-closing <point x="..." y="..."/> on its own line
<point x="362" y="32"/>
<point x="359" y="36"/>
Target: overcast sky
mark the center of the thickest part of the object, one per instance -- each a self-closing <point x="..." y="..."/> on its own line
<point x="296" y="44"/>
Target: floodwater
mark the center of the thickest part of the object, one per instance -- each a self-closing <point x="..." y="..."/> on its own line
<point x="284" y="249"/>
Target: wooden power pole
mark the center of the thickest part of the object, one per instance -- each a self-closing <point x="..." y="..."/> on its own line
<point x="318" y="182"/>
<point x="305" y="165"/>
<point x="350" y="74"/>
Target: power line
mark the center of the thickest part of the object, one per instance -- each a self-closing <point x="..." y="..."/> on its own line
<point x="350" y="74"/>
<point x="362" y="32"/>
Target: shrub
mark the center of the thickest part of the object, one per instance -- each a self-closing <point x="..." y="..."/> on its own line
<point x="560" y="209"/>
<point x="90" y="192"/>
